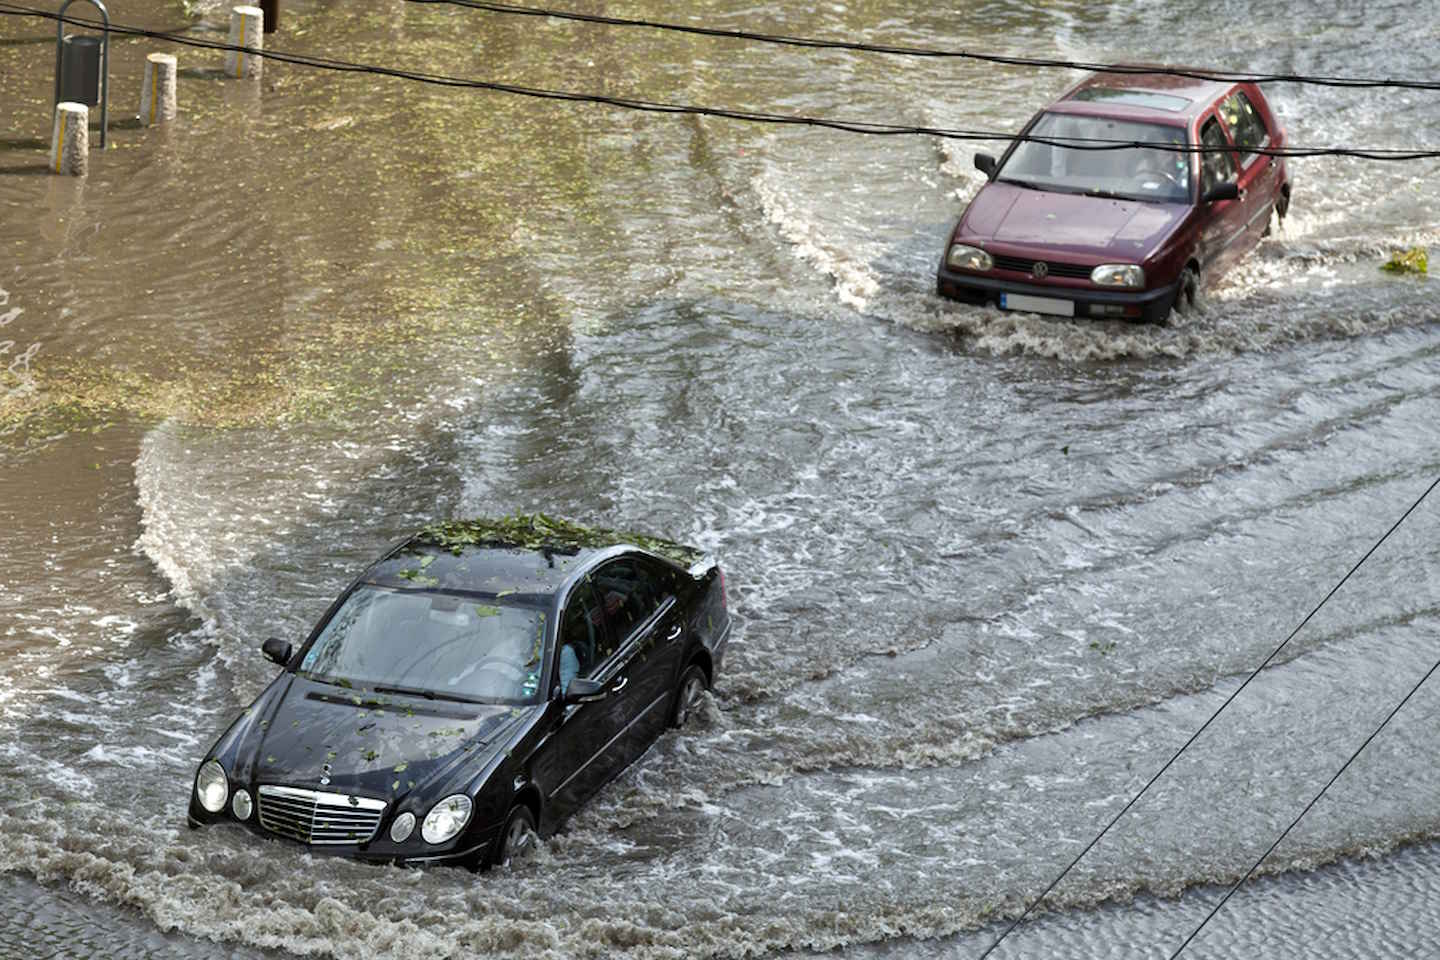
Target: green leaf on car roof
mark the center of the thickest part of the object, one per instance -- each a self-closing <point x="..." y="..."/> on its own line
<point x="536" y="531"/>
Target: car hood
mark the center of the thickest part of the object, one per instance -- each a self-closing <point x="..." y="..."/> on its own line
<point x="373" y="745"/>
<point x="1099" y="227"/>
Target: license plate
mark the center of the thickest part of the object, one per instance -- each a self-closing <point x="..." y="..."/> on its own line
<point x="1050" y="305"/>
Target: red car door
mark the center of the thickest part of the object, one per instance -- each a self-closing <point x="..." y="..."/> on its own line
<point x="1222" y="234"/>
<point x="1259" y="175"/>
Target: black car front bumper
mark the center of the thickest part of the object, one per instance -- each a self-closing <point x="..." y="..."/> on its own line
<point x="469" y="852"/>
<point x="1147" y="306"/>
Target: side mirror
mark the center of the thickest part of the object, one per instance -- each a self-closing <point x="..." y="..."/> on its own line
<point x="1222" y="191"/>
<point x="584" y="691"/>
<point x="985" y="164"/>
<point x="276" y="650"/>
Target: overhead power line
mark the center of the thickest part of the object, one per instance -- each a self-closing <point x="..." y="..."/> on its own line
<point x="1206" y="725"/>
<point x="1308" y="807"/>
<point x="1197" y="73"/>
<point x="1384" y="154"/>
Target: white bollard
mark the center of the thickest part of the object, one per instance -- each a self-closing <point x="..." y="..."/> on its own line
<point x="157" y="92"/>
<point x="70" y="139"/>
<point x="247" y="29"/>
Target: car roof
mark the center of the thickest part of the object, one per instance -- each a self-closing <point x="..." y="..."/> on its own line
<point x="1148" y="94"/>
<point x="530" y="555"/>
<point x="496" y="570"/>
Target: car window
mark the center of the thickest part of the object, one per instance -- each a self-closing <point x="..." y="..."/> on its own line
<point x="631" y="591"/>
<point x="1216" y="167"/>
<point x="436" y="642"/>
<point x="1057" y="159"/>
<point x="1243" y="120"/>
<point x="584" y="640"/>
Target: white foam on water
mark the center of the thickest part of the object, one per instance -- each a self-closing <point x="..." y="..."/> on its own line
<point x="842" y="260"/>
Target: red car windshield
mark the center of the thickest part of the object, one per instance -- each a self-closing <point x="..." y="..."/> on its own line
<point x="1131" y="173"/>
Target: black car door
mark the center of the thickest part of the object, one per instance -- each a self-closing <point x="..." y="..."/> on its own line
<point x="574" y="758"/>
<point x="642" y="608"/>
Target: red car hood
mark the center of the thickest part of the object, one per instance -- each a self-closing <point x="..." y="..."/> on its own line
<point x="1093" y="228"/>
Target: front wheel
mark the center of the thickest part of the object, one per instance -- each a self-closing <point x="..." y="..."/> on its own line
<point x="687" y="697"/>
<point x="1187" y="295"/>
<point x="518" y="838"/>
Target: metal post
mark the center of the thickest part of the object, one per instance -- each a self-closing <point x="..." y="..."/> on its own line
<point x="104" y="61"/>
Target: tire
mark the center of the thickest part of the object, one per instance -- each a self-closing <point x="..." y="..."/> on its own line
<point x="518" y="838"/>
<point x="687" y="694"/>
<point x="1187" y="295"/>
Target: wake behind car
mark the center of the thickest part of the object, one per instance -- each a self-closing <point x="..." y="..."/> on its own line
<point x="470" y="689"/>
<point x="1063" y="229"/>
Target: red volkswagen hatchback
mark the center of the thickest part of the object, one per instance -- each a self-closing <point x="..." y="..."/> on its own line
<point x="1127" y="233"/>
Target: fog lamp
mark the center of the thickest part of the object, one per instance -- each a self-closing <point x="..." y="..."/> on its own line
<point x="403" y="826"/>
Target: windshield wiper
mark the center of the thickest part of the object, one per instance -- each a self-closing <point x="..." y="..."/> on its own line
<point x="1019" y="183"/>
<point x="1106" y="194"/>
<point x="429" y="694"/>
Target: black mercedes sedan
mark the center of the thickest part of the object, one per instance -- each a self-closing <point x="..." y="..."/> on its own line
<point x="469" y="690"/>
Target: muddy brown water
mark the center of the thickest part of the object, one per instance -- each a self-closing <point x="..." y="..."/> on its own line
<point x="990" y="569"/>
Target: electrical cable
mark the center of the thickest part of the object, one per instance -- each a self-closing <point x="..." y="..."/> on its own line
<point x="1316" y="799"/>
<point x="1196" y="73"/>
<point x="1384" y="154"/>
<point x="1204" y="726"/>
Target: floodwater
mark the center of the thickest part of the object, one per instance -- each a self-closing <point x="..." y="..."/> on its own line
<point x="990" y="570"/>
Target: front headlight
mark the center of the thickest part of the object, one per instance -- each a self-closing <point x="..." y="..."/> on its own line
<point x="1118" y="275"/>
<point x="241" y="805"/>
<point x="212" y="787"/>
<point x="965" y="257"/>
<point x="446" y="818"/>
<point x="403" y="826"/>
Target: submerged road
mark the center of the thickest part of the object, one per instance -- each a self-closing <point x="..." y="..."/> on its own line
<point x="990" y="569"/>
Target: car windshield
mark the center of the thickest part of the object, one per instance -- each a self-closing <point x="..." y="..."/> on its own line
<point x="435" y="644"/>
<point x="1132" y="173"/>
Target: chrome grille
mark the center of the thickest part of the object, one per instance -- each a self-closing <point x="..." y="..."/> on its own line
<point x="312" y="816"/>
<point x="1025" y="265"/>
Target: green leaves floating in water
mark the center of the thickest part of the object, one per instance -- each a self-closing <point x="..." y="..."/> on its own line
<point x="1415" y="261"/>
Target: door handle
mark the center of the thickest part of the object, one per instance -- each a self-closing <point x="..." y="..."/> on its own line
<point x="675" y="632"/>
<point x="619" y="685"/>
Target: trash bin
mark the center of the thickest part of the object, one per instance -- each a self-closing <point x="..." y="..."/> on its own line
<point x="80" y="69"/>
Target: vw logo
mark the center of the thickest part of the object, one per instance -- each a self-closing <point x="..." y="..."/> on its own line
<point x="1041" y="270"/>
